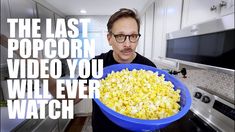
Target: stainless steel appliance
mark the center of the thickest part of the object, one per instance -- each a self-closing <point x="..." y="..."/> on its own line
<point x="208" y="45"/>
<point x="209" y="113"/>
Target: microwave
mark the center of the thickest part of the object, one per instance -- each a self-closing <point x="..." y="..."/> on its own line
<point x="207" y="45"/>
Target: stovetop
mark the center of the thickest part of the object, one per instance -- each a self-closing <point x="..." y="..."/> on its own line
<point x="208" y="113"/>
<point x="189" y="123"/>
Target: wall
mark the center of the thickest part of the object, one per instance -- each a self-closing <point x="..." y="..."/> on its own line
<point x="220" y="83"/>
<point x="97" y="29"/>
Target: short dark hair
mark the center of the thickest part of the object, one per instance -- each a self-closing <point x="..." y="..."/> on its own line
<point x="123" y="12"/>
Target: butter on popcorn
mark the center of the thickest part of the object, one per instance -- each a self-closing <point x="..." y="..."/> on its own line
<point x="140" y="94"/>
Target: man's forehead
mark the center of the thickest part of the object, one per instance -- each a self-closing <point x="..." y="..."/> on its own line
<point x="126" y="32"/>
<point x="125" y="26"/>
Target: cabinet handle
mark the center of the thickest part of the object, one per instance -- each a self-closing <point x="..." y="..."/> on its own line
<point x="213" y="8"/>
<point x="223" y="3"/>
<point x="194" y="30"/>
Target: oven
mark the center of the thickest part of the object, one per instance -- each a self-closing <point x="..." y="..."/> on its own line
<point x="208" y="113"/>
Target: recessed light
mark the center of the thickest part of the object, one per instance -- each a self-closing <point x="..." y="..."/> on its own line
<point x="83" y="11"/>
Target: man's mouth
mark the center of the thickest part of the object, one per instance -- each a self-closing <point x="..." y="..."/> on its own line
<point x="127" y="51"/>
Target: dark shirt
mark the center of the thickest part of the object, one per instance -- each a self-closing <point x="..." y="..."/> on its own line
<point x="100" y="122"/>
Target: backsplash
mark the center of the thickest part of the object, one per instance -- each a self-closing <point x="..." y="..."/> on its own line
<point x="221" y="84"/>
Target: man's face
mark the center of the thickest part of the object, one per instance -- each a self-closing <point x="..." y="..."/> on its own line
<point x="123" y="52"/>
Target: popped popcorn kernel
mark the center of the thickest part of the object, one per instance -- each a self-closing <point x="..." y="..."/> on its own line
<point x="140" y="94"/>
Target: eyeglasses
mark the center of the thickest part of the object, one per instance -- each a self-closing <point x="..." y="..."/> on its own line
<point x="120" y="38"/>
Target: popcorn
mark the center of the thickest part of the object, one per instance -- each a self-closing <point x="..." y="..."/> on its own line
<point x="140" y="94"/>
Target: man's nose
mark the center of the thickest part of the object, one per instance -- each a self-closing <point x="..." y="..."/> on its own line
<point x="127" y="42"/>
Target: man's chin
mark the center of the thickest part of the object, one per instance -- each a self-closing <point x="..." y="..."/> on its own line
<point x="125" y="57"/>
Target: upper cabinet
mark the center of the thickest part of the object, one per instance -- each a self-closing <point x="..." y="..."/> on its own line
<point x="23" y="9"/>
<point x="145" y="46"/>
<point x="227" y="7"/>
<point x="5" y="13"/>
<point x="16" y="9"/>
<point x="149" y="26"/>
<point x="198" y="11"/>
<point x="44" y="13"/>
<point x="167" y="18"/>
<point x="161" y="17"/>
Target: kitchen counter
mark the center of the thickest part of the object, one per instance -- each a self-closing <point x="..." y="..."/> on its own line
<point x="9" y="124"/>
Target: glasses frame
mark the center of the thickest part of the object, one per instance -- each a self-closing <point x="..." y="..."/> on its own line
<point x="116" y="35"/>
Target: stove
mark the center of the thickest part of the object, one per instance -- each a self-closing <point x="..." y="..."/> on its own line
<point x="208" y="113"/>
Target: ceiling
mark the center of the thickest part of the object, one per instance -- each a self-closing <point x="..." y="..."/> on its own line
<point x="96" y="7"/>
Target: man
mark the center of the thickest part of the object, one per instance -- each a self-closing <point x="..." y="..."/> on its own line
<point x="123" y="35"/>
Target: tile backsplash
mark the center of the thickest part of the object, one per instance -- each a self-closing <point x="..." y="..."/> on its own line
<point x="221" y="84"/>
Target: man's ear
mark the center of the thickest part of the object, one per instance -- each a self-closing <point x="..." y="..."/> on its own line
<point x="109" y="38"/>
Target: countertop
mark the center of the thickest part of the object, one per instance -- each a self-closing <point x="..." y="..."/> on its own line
<point x="9" y="124"/>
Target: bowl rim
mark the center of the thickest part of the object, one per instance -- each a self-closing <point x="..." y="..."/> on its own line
<point x="166" y="120"/>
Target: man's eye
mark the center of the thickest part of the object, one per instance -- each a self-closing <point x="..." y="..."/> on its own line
<point x="134" y="36"/>
<point x="120" y="36"/>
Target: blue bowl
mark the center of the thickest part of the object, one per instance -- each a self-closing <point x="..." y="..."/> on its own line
<point x="135" y="124"/>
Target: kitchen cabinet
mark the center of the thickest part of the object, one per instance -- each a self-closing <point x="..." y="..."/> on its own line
<point x="140" y="46"/>
<point x="198" y="11"/>
<point x="227" y="7"/>
<point x="148" y="32"/>
<point x="27" y="9"/>
<point x="5" y="32"/>
<point x="5" y="13"/>
<point x="167" y="18"/>
<point x="11" y="9"/>
<point x="43" y="14"/>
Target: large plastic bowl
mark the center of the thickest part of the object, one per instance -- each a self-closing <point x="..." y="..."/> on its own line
<point x="135" y="124"/>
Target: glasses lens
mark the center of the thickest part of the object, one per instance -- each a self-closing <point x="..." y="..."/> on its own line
<point x="134" y="37"/>
<point x="120" y="38"/>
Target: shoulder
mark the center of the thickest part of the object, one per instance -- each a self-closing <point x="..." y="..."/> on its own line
<point x="143" y="60"/>
<point x="104" y="55"/>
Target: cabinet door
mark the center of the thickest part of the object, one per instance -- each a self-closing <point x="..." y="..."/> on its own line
<point x="159" y="28"/>
<point x="22" y="8"/>
<point x="5" y="13"/>
<point x="43" y="14"/>
<point x="198" y="11"/>
<point x="140" y="46"/>
<point x="228" y="8"/>
<point x="149" y="20"/>
<point x="167" y="19"/>
<point x="173" y="15"/>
